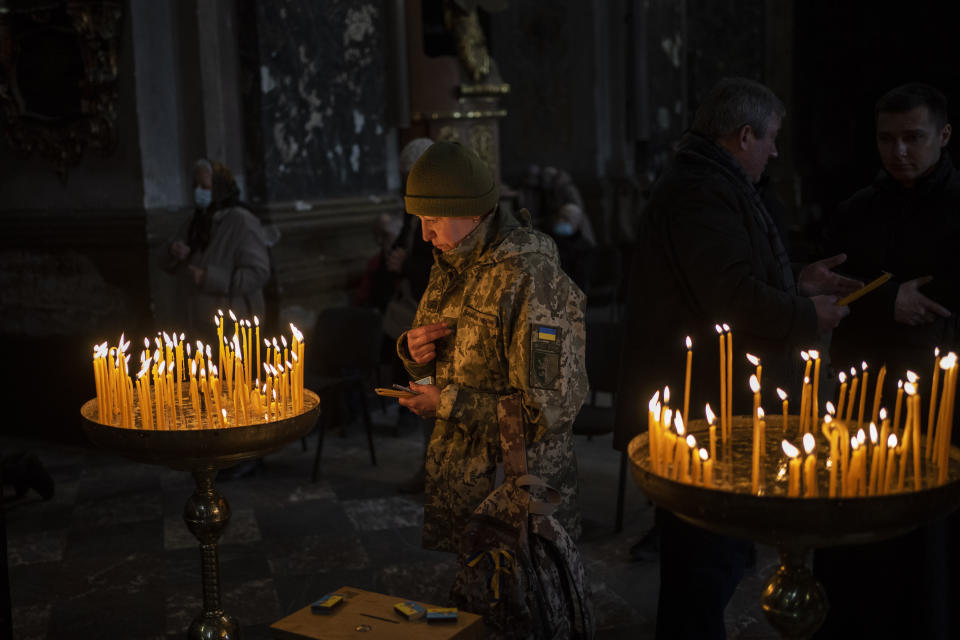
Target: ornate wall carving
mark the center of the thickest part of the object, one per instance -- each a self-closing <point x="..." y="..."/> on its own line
<point x="58" y="78"/>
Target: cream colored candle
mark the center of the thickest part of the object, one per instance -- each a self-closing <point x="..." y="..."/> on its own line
<point x="786" y="412"/>
<point x="810" y="466"/>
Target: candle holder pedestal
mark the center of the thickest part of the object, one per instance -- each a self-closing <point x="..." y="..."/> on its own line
<point x="794" y="603"/>
<point x="203" y="452"/>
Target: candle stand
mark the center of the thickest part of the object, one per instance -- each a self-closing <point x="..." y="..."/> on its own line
<point x="203" y="452"/>
<point x="793" y="601"/>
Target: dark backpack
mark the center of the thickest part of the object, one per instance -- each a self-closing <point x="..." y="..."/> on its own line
<point x="517" y="566"/>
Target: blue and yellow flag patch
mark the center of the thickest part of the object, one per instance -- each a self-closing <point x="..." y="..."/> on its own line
<point x="548" y="334"/>
<point x="545" y="351"/>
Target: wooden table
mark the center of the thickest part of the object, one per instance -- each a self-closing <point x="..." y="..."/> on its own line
<point x="374" y="610"/>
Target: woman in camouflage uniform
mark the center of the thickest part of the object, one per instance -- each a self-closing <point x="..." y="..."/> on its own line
<point x="499" y="317"/>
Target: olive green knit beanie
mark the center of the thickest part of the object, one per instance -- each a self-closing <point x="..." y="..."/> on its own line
<point x="450" y="181"/>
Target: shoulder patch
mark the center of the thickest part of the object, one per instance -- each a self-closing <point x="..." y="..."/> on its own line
<point x="545" y="349"/>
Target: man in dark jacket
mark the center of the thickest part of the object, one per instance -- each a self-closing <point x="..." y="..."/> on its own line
<point x="708" y="252"/>
<point x="906" y="223"/>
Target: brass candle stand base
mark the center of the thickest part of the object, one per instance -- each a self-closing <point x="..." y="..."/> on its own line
<point x="203" y="452"/>
<point x="793" y="601"/>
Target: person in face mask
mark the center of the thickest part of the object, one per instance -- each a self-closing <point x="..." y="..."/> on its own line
<point x="574" y="243"/>
<point x="220" y="256"/>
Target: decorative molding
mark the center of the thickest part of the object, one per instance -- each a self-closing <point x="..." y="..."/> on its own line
<point x="74" y="45"/>
<point x="473" y="114"/>
<point x="484" y="90"/>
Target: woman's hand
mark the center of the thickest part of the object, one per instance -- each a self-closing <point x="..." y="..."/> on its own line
<point x="179" y="249"/>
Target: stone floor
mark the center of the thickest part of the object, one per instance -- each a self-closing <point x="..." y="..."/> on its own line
<point x="109" y="556"/>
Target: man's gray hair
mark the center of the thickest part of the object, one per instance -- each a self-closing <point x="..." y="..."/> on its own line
<point x="733" y="103"/>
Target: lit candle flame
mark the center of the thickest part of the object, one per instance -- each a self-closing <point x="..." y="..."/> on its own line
<point x="853" y="371"/>
<point x="754" y="383"/>
<point x="861" y="436"/>
<point x="873" y="433"/>
<point x="688" y="341"/>
<point x="827" y="419"/>
<point x="232" y="317"/>
<point x="752" y="359"/>
<point x="283" y="339"/>
<point x="216" y="320"/>
<point x="691" y="441"/>
<point x="781" y="393"/>
<point x="789" y="449"/>
<point x="666" y="395"/>
<point x="910" y="388"/>
<point x="814" y="354"/>
<point x="704" y="455"/>
<point x="256" y="321"/>
<point x="718" y="328"/>
<point x="804" y="355"/>
<point x="726" y="327"/>
<point x="842" y="377"/>
<point x="831" y="410"/>
<point x="912" y="377"/>
<point x="299" y="336"/>
<point x="854" y="443"/>
<point x="809" y="443"/>
<point x="650" y="405"/>
<point x="711" y="416"/>
<point x="892" y="441"/>
<point x="948" y="361"/>
<point x="760" y="413"/>
<point x="883" y="413"/>
<point x="863" y="365"/>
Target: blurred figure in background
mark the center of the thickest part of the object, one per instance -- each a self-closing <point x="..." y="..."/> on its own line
<point x="220" y="257"/>
<point x="575" y="243"/>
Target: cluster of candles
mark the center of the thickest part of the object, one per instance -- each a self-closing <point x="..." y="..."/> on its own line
<point x="178" y="387"/>
<point x="863" y="460"/>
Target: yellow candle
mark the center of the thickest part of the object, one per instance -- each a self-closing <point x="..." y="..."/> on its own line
<point x="904" y="449"/>
<point x="815" y="401"/>
<point x="933" y="398"/>
<point x="755" y="449"/>
<point x="891" y="463"/>
<point x="653" y="430"/>
<point x="874" y="459"/>
<point x="729" y="333"/>
<point x="917" y="463"/>
<point x="707" y="465"/>
<point x="723" y="384"/>
<point x="680" y="455"/>
<point x="834" y="434"/>
<point x="804" y="406"/>
<point x="693" y="456"/>
<point x="810" y="466"/>
<point x="256" y="324"/>
<point x="793" y="469"/>
<point x="841" y="401"/>
<point x="863" y="394"/>
<point x="711" y="420"/>
<point x="878" y="393"/>
<point x="853" y="394"/>
<point x="783" y="398"/>
<point x="686" y="379"/>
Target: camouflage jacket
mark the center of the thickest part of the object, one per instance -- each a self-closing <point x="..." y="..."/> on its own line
<point x="518" y="326"/>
